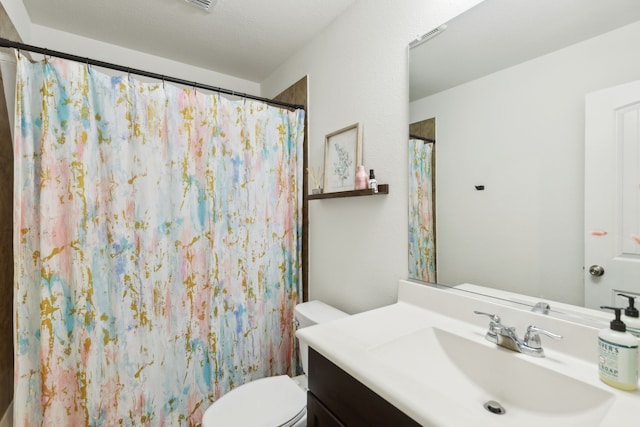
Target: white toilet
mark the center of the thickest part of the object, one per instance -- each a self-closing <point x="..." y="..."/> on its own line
<point x="278" y="401"/>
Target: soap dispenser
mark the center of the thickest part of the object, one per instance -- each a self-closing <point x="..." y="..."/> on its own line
<point x="618" y="349"/>
<point x="373" y="183"/>
<point x="631" y="317"/>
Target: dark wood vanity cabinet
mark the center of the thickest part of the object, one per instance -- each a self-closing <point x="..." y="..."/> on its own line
<point x="318" y="415"/>
<point x="336" y="399"/>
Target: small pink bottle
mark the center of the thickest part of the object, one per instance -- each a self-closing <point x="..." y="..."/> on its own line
<point x="362" y="180"/>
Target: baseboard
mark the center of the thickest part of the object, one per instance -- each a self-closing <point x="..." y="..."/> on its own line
<point x="7" y="418"/>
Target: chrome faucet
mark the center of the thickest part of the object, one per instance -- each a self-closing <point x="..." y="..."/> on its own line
<point x="506" y="337"/>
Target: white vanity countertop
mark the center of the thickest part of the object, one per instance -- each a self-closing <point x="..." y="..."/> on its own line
<point x="355" y="344"/>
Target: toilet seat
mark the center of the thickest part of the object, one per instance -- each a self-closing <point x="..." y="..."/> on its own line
<point x="267" y="402"/>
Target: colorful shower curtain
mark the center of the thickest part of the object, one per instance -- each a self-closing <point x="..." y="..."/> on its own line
<point x="157" y="247"/>
<point x="422" y="251"/>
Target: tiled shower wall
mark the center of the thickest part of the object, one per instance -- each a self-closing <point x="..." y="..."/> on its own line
<point x="6" y="259"/>
<point x="425" y="128"/>
<point x="7" y="31"/>
<point x="297" y="94"/>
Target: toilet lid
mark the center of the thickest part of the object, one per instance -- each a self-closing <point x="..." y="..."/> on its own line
<point x="267" y="402"/>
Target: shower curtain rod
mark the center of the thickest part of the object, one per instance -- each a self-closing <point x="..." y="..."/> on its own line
<point x="421" y="138"/>
<point x="89" y="61"/>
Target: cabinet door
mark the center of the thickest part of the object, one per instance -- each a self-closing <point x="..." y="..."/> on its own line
<point x="348" y="400"/>
<point x="318" y="415"/>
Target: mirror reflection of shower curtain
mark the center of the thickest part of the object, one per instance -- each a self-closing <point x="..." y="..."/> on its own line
<point x="422" y="245"/>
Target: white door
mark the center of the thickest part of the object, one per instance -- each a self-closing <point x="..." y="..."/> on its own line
<point x="612" y="195"/>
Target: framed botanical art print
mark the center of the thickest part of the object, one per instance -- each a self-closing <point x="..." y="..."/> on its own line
<point x="342" y="154"/>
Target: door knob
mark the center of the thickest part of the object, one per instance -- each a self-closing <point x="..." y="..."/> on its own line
<point x="596" y="270"/>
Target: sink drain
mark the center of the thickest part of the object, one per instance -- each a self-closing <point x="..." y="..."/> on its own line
<point x="494" y="407"/>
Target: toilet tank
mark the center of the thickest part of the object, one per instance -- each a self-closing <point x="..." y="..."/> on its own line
<point x="311" y="313"/>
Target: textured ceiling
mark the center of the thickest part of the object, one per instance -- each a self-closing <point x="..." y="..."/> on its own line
<point x="248" y="39"/>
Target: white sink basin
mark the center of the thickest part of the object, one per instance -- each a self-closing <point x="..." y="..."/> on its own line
<point x="469" y="372"/>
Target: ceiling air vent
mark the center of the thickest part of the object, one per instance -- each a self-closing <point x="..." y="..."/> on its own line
<point x="206" y="5"/>
<point x="428" y="36"/>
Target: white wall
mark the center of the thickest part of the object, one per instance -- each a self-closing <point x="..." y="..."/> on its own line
<point x="520" y="132"/>
<point x="358" y="72"/>
<point x="70" y="43"/>
<point x="19" y="18"/>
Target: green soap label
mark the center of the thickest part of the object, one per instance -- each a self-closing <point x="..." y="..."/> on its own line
<point x="618" y="362"/>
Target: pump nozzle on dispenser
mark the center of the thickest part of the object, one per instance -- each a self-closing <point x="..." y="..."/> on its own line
<point x="631" y="316"/>
<point x="616" y="324"/>
<point x="631" y="310"/>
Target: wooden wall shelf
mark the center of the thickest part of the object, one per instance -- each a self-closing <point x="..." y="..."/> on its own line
<point x="382" y="189"/>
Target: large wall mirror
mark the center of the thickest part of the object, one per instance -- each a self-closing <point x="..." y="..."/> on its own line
<point x="506" y="86"/>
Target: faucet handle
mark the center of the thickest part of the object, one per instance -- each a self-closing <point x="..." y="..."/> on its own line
<point x="532" y="337"/>
<point x="494" y="317"/>
<point x="494" y="325"/>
